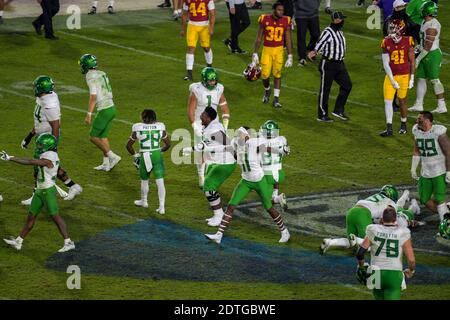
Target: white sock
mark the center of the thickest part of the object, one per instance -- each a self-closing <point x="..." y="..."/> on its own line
<point x="106" y="161"/>
<point x="388" y="111"/>
<point x="441" y="103"/>
<point x="340" y="243"/>
<point x="144" y="190"/>
<point x="421" y="90"/>
<point x="179" y="11"/>
<point x="442" y="209"/>
<point x="359" y="240"/>
<point x="275" y="193"/>
<point x="209" y="56"/>
<point x="327" y="3"/>
<point x="403" y="119"/>
<point x="94" y="3"/>
<point x="259" y="1"/>
<point x="189" y="61"/>
<point x="111" y="3"/>
<point x="111" y="154"/>
<point x="276" y="92"/>
<point x="1" y="13"/>
<point x="67" y="241"/>
<point x="201" y="169"/>
<point x="161" y="192"/>
<point x="19" y="239"/>
<point x="218" y="212"/>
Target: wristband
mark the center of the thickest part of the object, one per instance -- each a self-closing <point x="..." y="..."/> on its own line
<point x="90" y="113"/>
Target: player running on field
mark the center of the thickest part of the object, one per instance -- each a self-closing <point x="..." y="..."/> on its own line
<point x="202" y="17"/>
<point x="220" y="161"/>
<point x="429" y="60"/>
<point x="272" y="162"/>
<point x="47" y="119"/>
<point x="398" y="62"/>
<point x="207" y="93"/>
<point x="275" y="32"/>
<point x="101" y="97"/>
<point x="432" y="150"/>
<point x="149" y="159"/>
<point x="366" y="212"/>
<point x="45" y="194"/>
<point x="249" y="151"/>
<point x="387" y="242"/>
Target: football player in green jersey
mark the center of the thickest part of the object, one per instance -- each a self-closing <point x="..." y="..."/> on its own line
<point x="45" y="194"/>
<point x="149" y="159"/>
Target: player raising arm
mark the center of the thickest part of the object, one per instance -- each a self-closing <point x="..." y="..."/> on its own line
<point x="387" y="243"/>
<point x="207" y="93"/>
<point x="149" y="159"/>
<point x="45" y="194"/>
<point x="432" y="150"/>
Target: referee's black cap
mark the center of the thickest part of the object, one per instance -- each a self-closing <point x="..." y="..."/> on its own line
<point x="337" y="15"/>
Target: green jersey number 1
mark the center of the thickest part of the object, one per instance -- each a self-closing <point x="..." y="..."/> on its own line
<point x="106" y="86"/>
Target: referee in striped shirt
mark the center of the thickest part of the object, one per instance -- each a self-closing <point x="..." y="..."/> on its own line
<point x="331" y="45"/>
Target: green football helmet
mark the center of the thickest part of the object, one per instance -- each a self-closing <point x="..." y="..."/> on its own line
<point x="269" y="129"/>
<point x="43" y="84"/>
<point x="86" y="62"/>
<point x="444" y="227"/>
<point x="390" y="191"/>
<point x="46" y="142"/>
<point x="429" y="9"/>
<point x="209" y="74"/>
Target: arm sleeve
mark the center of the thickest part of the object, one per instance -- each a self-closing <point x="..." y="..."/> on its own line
<point x="405" y="236"/>
<point x="440" y="130"/>
<point x="387" y="67"/>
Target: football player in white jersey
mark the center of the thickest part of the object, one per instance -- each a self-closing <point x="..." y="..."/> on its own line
<point x="432" y="150"/>
<point x="272" y="163"/>
<point x="429" y="60"/>
<point x="207" y="93"/>
<point x="47" y="119"/>
<point x="249" y="152"/>
<point x="149" y="159"/>
<point x="387" y="242"/>
<point x="100" y="96"/>
<point x="45" y="194"/>
<point x="95" y="3"/>
<point x="219" y="158"/>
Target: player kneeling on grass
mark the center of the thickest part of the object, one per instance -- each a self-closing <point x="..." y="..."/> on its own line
<point x="150" y="133"/>
<point x="47" y="119"/>
<point x="399" y="65"/>
<point x="101" y="97"/>
<point x="149" y="158"/>
<point x="432" y="150"/>
<point x="249" y="152"/>
<point x="272" y="162"/>
<point x="219" y="157"/>
<point x="370" y="211"/>
<point x="45" y="194"/>
<point x="387" y="242"/>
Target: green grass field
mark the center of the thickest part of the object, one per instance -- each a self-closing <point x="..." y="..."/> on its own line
<point x="143" y="55"/>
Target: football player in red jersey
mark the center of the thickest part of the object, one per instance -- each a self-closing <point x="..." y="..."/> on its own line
<point x="202" y="17"/>
<point x="399" y="65"/>
<point x="275" y="31"/>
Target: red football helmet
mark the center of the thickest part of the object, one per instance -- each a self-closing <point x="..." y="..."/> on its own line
<point x="252" y="72"/>
<point x="396" y="29"/>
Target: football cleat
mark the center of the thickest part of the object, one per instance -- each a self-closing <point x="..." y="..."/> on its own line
<point x="1" y="198"/>
<point x="285" y="236"/>
<point x="402" y="128"/>
<point x="216" y="237"/>
<point x="26" y="202"/>
<point x="74" y="190"/>
<point x="283" y="201"/>
<point x="386" y="133"/>
<point x="325" y="119"/>
<point x="115" y="160"/>
<point x="403" y="199"/>
<point x="439" y="110"/>
<point x="141" y="203"/>
<point x="67" y="246"/>
<point x="416" y="108"/>
<point x="266" y="97"/>
<point x="324" y="246"/>
<point x="341" y="116"/>
<point x="215" y="221"/>
<point x="188" y="76"/>
<point x="37" y="27"/>
<point x="227" y="42"/>
<point x="165" y="4"/>
<point x="257" y="5"/>
<point x="238" y="51"/>
<point x="252" y="72"/>
<point x="352" y="240"/>
<point x="13" y="243"/>
<point x="302" y="63"/>
<point x="328" y="10"/>
<point x="414" y="207"/>
<point x="276" y="103"/>
<point x="93" y="10"/>
<point x="102" y="167"/>
<point x="110" y="10"/>
<point x="161" y="210"/>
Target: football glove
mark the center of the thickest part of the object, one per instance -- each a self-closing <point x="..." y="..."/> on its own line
<point x="4" y="156"/>
<point x="411" y="82"/>
<point x="415" y="177"/>
<point x="286" y="150"/>
<point x="255" y="59"/>
<point x="361" y="273"/>
<point x="187" y="151"/>
<point x="447" y="177"/>
<point x="136" y="160"/>
<point x="395" y="85"/>
<point x="24" y="144"/>
<point x="288" y="63"/>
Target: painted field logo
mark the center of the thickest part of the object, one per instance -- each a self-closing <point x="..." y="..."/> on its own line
<point x="323" y="215"/>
